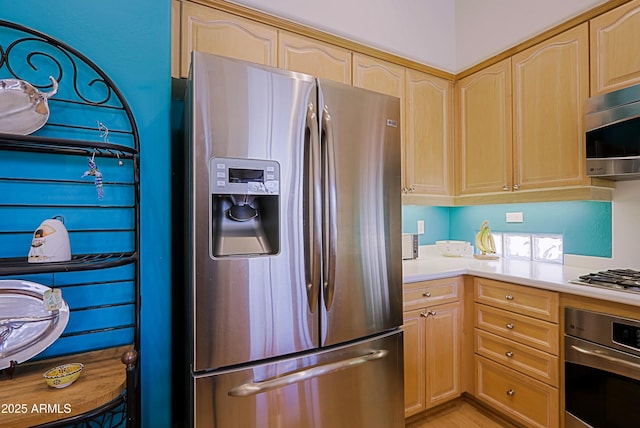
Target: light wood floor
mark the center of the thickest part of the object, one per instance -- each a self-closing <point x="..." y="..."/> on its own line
<point x="461" y="413"/>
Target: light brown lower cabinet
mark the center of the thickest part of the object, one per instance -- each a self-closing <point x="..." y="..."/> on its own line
<point x="519" y="396"/>
<point x="432" y="343"/>
<point x="516" y="345"/>
<point x="502" y="347"/>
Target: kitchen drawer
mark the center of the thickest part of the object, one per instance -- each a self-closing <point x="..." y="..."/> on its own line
<point x="530" y="301"/>
<point x="529" y="331"/>
<point x="525" y="399"/>
<point x="429" y="293"/>
<point x="525" y="359"/>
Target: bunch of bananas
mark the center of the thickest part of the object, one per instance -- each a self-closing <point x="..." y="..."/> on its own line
<point x="484" y="240"/>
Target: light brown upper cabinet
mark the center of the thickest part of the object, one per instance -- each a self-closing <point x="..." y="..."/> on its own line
<point x="306" y="55"/>
<point x="550" y="86"/>
<point x="484" y="155"/>
<point x="387" y="78"/>
<point x="378" y="75"/>
<point x="211" y="30"/>
<point x="520" y="124"/>
<point x="615" y="48"/>
<point x="429" y="134"/>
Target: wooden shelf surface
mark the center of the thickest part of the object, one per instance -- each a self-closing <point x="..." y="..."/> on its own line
<point x="26" y="400"/>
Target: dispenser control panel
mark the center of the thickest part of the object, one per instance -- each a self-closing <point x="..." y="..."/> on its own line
<point x="244" y="176"/>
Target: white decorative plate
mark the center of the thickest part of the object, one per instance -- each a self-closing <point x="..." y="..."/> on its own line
<point x="26" y="326"/>
<point x="23" y="108"/>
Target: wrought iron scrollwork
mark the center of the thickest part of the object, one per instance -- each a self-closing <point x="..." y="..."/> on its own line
<point x="28" y="55"/>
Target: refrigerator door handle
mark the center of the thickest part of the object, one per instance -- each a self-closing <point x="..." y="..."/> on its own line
<point x="312" y="201"/>
<point x="330" y="216"/>
<point x="254" y="388"/>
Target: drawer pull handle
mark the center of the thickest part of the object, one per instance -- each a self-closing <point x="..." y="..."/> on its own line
<point x="427" y="294"/>
<point x="510" y="326"/>
<point x="428" y="313"/>
<point x="511" y="393"/>
<point x="509" y="354"/>
<point x="509" y="297"/>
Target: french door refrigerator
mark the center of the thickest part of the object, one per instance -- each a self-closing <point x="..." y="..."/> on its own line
<point x="294" y="250"/>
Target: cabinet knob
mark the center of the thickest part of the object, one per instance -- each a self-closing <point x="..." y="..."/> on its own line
<point x="412" y="189"/>
<point x="516" y="187"/>
<point x="428" y="313"/>
<point x="511" y="393"/>
<point x="509" y="297"/>
<point x="509" y="354"/>
<point x="510" y="326"/>
<point x="426" y="294"/>
<point x="506" y="188"/>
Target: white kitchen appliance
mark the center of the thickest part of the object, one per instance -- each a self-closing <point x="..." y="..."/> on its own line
<point x="50" y="242"/>
<point x="293" y="247"/>
<point x="409" y="246"/>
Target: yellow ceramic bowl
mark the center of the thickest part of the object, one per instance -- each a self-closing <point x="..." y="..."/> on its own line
<point x="62" y="376"/>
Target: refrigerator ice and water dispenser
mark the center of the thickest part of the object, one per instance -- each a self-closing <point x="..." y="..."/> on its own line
<point x="245" y="218"/>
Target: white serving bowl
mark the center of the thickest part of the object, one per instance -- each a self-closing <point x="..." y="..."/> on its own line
<point x="452" y="248"/>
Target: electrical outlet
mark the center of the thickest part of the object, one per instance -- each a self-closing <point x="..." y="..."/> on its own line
<point x="420" y="227"/>
<point x="515" y="218"/>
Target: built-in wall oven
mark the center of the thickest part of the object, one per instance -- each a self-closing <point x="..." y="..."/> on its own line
<point x="602" y="370"/>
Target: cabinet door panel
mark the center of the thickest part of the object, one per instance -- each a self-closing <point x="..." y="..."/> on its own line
<point x="377" y="75"/>
<point x="615" y="35"/>
<point x="305" y="55"/>
<point x="530" y="361"/>
<point x="529" y="401"/>
<point x="550" y="85"/>
<point x="529" y="331"/>
<point x="429" y="293"/>
<point x="210" y="30"/>
<point x="429" y="142"/>
<point x="530" y="301"/>
<point x="443" y="353"/>
<point x="414" y="362"/>
<point x="485" y="155"/>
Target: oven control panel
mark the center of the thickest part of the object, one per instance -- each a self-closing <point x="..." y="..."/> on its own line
<point x="607" y="330"/>
<point x="627" y="335"/>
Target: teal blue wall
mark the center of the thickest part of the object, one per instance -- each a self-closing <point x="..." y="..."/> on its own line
<point x="436" y="222"/>
<point x="130" y="41"/>
<point x="584" y="225"/>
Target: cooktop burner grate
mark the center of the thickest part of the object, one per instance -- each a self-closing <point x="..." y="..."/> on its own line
<point x="618" y="279"/>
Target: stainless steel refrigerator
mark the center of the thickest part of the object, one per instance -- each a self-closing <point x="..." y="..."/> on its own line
<point x="294" y="250"/>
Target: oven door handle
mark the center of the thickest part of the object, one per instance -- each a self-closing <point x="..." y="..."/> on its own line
<point x="606" y="359"/>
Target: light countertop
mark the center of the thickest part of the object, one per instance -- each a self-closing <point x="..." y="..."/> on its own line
<point x="549" y="276"/>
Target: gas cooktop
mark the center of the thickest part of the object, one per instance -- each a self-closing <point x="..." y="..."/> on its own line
<point x="615" y="279"/>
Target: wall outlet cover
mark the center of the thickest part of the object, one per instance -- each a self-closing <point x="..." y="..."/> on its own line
<point x="515" y="217"/>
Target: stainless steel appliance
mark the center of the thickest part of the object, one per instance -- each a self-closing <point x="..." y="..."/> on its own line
<point x="602" y="370"/>
<point x="294" y="230"/>
<point x="613" y="279"/>
<point x="409" y="246"/>
<point x="612" y="124"/>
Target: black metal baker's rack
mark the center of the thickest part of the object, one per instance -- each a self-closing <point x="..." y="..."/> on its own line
<point x="86" y="93"/>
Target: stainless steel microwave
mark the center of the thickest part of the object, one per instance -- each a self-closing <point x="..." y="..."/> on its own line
<point x="612" y="126"/>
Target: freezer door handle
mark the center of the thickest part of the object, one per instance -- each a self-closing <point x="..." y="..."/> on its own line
<point x="312" y="203"/>
<point x="253" y="388"/>
<point x="330" y="203"/>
